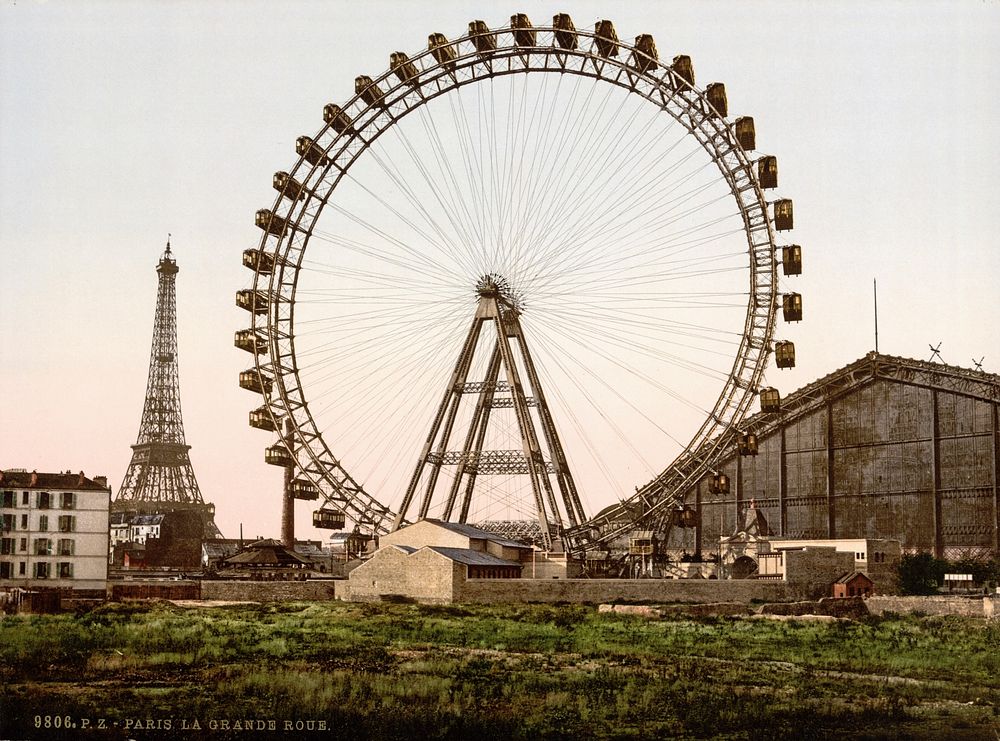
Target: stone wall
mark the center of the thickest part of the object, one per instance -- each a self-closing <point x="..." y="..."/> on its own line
<point x="153" y="589"/>
<point x="933" y="605"/>
<point x="433" y="577"/>
<point x="384" y="573"/>
<point x="597" y="591"/>
<point x="269" y="591"/>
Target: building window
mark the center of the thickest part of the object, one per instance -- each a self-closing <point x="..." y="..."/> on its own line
<point x="43" y="523"/>
<point x="67" y="523"/>
<point x="9" y="523"/>
<point x="24" y="499"/>
<point x="8" y="499"/>
<point x="24" y="522"/>
<point x="68" y="500"/>
<point x="65" y="546"/>
<point x="23" y="545"/>
<point x="6" y="570"/>
<point x="43" y="547"/>
<point x="65" y="570"/>
<point x="44" y="500"/>
<point x="20" y="568"/>
<point x="41" y="570"/>
<point x="6" y="546"/>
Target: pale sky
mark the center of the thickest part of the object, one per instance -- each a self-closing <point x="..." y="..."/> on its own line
<point x="123" y="121"/>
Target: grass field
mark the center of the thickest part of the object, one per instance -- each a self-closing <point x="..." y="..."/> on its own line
<point x="341" y="670"/>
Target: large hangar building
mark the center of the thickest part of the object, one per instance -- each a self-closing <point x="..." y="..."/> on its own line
<point x="885" y="447"/>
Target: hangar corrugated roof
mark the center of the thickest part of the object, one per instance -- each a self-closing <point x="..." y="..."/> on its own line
<point x="471" y="558"/>
<point x="471" y="531"/>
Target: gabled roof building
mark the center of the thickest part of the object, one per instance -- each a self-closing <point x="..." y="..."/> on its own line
<point x="432" y="560"/>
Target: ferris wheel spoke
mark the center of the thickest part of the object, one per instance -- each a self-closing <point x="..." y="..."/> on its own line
<point x="605" y="223"/>
<point x="449" y="195"/>
<point x="593" y="232"/>
<point x="447" y="243"/>
<point x="596" y="176"/>
<point x="407" y="255"/>
<point x="536" y="180"/>
<point x="612" y="337"/>
<point x="557" y="202"/>
<point x="361" y="349"/>
<point x="525" y="183"/>
<point x="627" y="376"/>
<point x="611" y="390"/>
<point x="589" y="255"/>
<point x="452" y="244"/>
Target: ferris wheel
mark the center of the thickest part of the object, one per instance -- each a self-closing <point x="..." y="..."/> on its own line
<point x="522" y="275"/>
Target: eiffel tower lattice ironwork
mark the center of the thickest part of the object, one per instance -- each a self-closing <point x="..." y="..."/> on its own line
<point x="556" y="502"/>
<point x="160" y="477"/>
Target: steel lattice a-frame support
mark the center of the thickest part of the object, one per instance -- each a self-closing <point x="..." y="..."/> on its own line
<point x="495" y="308"/>
<point x="160" y="477"/>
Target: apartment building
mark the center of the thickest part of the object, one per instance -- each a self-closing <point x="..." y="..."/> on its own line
<point x="54" y="530"/>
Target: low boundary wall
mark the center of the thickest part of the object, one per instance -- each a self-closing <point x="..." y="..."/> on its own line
<point x="988" y="607"/>
<point x="597" y="591"/>
<point x="269" y="591"/>
<point x="231" y="591"/>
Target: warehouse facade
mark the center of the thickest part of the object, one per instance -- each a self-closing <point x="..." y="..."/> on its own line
<point x="885" y="447"/>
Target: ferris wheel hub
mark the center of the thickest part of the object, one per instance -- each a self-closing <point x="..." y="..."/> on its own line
<point x="494" y="285"/>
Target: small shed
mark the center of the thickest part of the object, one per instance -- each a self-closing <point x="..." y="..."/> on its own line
<point x="854" y="584"/>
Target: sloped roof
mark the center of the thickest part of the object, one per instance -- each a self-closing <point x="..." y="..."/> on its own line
<point x="528" y="532"/>
<point x="220" y="549"/>
<point x="36" y="480"/>
<point x="471" y="558"/>
<point x="267" y="553"/>
<point x="310" y="549"/>
<point x="976" y="384"/>
<point x="145" y="520"/>
<point x="471" y="531"/>
<point x="849" y="577"/>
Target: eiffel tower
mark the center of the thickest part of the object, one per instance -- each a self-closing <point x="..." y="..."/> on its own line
<point x="160" y="478"/>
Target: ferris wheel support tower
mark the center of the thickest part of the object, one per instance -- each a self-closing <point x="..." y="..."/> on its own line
<point x="497" y="307"/>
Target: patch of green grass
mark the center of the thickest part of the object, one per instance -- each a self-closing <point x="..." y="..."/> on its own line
<point x="510" y="671"/>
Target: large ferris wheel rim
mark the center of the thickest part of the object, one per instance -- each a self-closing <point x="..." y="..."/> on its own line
<point x="437" y="74"/>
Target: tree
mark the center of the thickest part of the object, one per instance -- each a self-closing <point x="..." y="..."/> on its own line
<point x="920" y="573"/>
